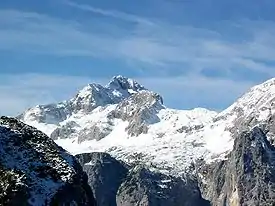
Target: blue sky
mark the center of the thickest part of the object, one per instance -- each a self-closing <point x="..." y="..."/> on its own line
<point x="194" y="52"/>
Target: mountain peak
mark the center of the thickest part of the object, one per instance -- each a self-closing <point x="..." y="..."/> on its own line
<point x="89" y="89"/>
<point x="266" y="84"/>
<point x="123" y="83"/>
<point x="90" y="97"/>
<point x="259" y="101"/>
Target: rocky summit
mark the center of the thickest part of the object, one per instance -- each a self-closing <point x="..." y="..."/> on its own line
<point x="136" y="151"/>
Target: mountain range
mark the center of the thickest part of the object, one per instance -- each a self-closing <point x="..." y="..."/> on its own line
<point x="136" y="151"/>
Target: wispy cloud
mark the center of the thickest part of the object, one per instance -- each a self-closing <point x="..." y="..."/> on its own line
<point x="33" y="32"/>
<point x="110" y="13"/>
<point x="154" y="44"/>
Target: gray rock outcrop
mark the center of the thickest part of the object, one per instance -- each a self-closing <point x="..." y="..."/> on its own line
<point x="139" y="110"/>
<point x="105" y="174"/>
<point x="247" y="178"/>
<point x="143" y="187"/>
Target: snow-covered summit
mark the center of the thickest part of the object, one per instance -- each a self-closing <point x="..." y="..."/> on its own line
<point x="85" y="101"/>
<point x="94" y="95"/>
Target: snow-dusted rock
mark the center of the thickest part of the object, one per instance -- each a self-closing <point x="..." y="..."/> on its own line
<point x="90" y="97"/>
<point x="123" y="87"/>
<point x="35" y="171"/>
<point x="47" y="114"/>
<point x="139" y="110"/>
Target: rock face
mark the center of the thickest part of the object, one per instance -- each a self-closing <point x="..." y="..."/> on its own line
<point x="247" y="177"/>
<point x="124" y="86"/>
<point x="139" y="110"/>
<point x="105" y="174"/>
<point x="115" y="183"/>
<point x="143" y="187"/>
<point x="35" y="171"/>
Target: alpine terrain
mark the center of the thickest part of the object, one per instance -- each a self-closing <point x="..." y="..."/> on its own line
<point x="35" y="171"/>
<point x="136" y="151"/>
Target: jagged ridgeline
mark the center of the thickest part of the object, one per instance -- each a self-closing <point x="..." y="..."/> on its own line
<point x="139" y="152"/>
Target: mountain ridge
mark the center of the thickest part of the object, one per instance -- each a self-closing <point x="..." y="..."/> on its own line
<point x="163" y="153"/>
<point x="137" y="124"/>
